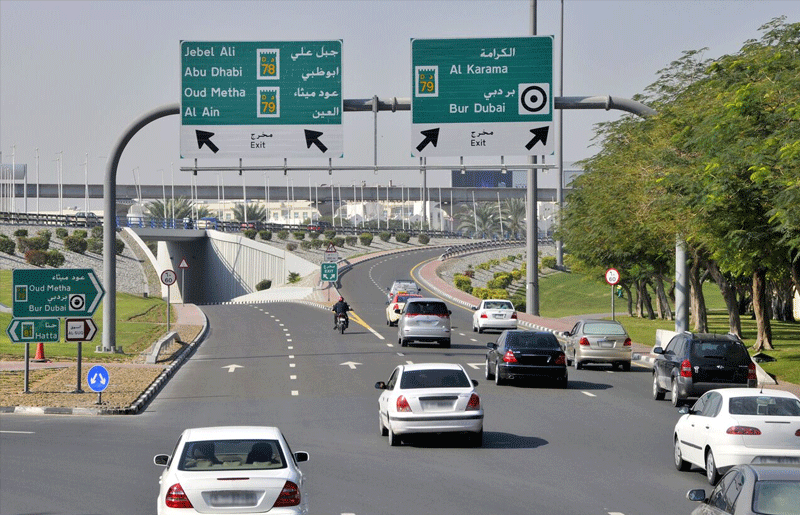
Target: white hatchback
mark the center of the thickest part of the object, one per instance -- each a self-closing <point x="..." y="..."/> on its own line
<point x="494" y="314"/>
<point x="737" y="426"/>
<point x="429" y="398"/>
<point x="233" y="469"/>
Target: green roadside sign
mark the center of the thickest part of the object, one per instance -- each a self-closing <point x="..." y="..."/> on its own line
<point x="329" y="272"/>
<point x="56" y="293"/>
<point x="39" y="330"/>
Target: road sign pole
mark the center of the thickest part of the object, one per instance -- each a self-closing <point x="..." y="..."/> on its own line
<point x="27" y="366"/>
<point x="612" y="302"/>
<point x="183" y="287"/>
<point x="168" y="306"/>
<point x="80" y="354"/>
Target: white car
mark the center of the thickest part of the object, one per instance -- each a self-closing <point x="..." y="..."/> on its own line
<point x="429" y="398"/>
<point x="494" y="314"/>
<point x="233" y="469"/>
<point x="737" y="426"/>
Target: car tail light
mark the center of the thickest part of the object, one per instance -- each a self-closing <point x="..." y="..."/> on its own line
<point x="474" y="403"/>
<point x="509" y="357"/>
<point x="514" y="315"/>
<point x="584" y="341"/>
<point x="561" y="359"/>
<point x="289" y="496"/>
<point x="797" y="433"/>
<point x="176" y="497"/>
<point x="627" y="342"/>
<point x="402" y="404"/>
<point x="484" y="315"/>
<point x="686" y="368"/>
<point x="743" y="430"/>
<point x="751" y="372"/>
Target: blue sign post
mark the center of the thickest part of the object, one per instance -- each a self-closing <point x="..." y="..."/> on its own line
<point x="98" y="379"/>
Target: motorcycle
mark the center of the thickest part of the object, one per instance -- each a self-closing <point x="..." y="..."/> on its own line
<point x="341" y="322"/>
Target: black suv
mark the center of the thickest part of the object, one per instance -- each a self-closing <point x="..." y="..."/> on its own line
<point x="694" y="363"/>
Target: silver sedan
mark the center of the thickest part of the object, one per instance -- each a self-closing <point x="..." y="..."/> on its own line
<point x="598" y="341"/>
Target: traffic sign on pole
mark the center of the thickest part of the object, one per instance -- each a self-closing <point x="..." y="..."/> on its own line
<point x="60" y="292"/>
<point x="261" y="99"/>
<point x="612" y="276"/>
<point x="482" y="97"/>
<point x="98" y="378"/>
<point x="79" y="329"/>
<point x="40" y="330"/>
<point x="329" y="272"/>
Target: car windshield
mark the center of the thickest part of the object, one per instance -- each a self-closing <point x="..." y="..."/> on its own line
<point x="776" y="497"/>
<point x="231" y="455"/>
<point x="603" y="328"/>
<point x="497" y="305"/>
<point x="427" y="308"/>
<point x="434" y="378"/>
<point x="525" y="340"/>
<point x="764" y="405"/>
<point x="722" y="350"/>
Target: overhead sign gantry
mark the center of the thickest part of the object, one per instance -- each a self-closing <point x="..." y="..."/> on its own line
<point x="261" y="99"/>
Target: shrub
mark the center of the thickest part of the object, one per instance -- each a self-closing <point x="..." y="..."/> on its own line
<point x="329" y="234"/>
<point x="36" y="257"/>
<point x="299" y="235"/>
<point x="264" y="285"/>
<point x="549" y="262"/>
<point x="8" y="246"/>
<point x="481" y="293"/>
<point x="316" y="243"/>
<point x="351" y="240"/>
<point x="469" y="273"/>
<point x="21" y="233"/>
<point x="501" y="280"/>
<point x="498" y="293"/>
<point x="94" y="245"/>
<point x="520" y="303"/>
<point x="385" y="236"/>
<point x="494" y="262"/>
<point x="35" y="243"/>
<point x="516" y="274"/>
<point x="338" y="241"/>
<point x="44" y="233"/>
<point x="366" y="238"/>
<point x="97" y="232"/>
<point x="305" y="245"/>
<point x="120" y="246"/>
<point x="483" y="266"/>
<point x="423" y="239"/>
<point x="283" y="234"/>
<point x="511" y="258"/>
<point x="55" y="258"/>
<point x="80" y="233"/>
<point x="75" y="244"/>
<point x="62" y="233"/>
<point x="291" y="246"/>
<point x="463" y="282"/>
<point x="293" y="277"/>
<point x="402" y="237"/>
<point x="265" y="235"/>
<point x="250" y="233"/>
<point x="314" y="235"/>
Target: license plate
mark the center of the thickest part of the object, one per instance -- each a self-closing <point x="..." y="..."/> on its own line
<point x="228" y="499"/>
<point x="606" y="345"/>
<point x="499" y="315"/>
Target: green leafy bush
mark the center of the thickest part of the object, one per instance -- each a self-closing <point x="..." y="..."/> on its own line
<point x="94" y="245"/>
<point x="266" y="284"/>
<point x="338" y="241"/>
<point x="516" y="274"/>
<point x="35" y="243"/>
<point x="385" y="236"/>
<point x="511" y="258"/>
<point x="283" y="234"/>
<point x="75" y="244"/>
<point x="291" y="246"/>
<point x="402" y="237"/>
<point x="549" y="262"/>
<point x="265" y="235"/>
<point x="44" y="233"/>
<point x="494" y="262"/>
<point x="366" y="238"/>
<point x="305" y="245"/>
<point x="80" y="233"/>
<point x="21" y="233"/>
<point x="351" y="240"/>
<point x="483" y="266"/>
<point x="329" y="234"/>
<point x="250" y="233"/>
<point x="120" y="246"/>
<point x="36" y="257"/>
<point x="519" y="302"/>
<point x="463" y="283"/>
<point x="299" y="235"/>
<point x="62" y="233"/>
<point x="97" y="232"/>
<point x="7" y="245"/>
<point x="314" y="235"/>
<point x="469" y="273"/>
<point x="317" y="243"/>
<point x="481" y="293"/>
<point x="501" y="280"/>
<point x="423" y="239"/>
<point x="293" y="277"/>
<point x="55" y="258"/>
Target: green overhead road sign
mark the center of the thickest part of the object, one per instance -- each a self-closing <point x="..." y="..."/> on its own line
<point x="329" y="272"/>
<point x="482" y="97"/>
<point x="56" y="293"/>
<point x="261" y="99"/>
<point x="39" y="330"/>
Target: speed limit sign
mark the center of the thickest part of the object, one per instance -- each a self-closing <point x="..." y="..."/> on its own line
<point x="168" y="277"/>
<point x="612" y="276"/>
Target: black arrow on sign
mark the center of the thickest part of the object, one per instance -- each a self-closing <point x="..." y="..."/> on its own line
<point x="312" y="137"/>
<point x="539" y="134"/>
<point x="431" y="136"/>
<point x="204" y="137"/>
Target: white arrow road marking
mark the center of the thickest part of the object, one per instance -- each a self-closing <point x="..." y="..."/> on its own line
<point x="231" y="368"/>
<point x="476" y="366"/>
<point x="351" y="364"/>
<point x="588" y="394"/>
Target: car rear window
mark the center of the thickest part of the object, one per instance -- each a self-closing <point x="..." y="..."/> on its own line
<point x="776" y="497"/>
<point x="426" y="308"/>
<point x="404" y="298"/>
<point x="231" y="455"/>
<point x="764" y="405"/>
<point x="729" y="351"/>
<point x="433" y="378"/>
<point x="603" y="328"/>
<point x="532" y="341"/>
<point x="497" y="305"/>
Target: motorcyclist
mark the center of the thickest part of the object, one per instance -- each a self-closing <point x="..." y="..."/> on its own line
<point x="340" y="307"/>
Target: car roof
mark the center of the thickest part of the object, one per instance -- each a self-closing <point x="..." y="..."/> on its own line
<point x="599" y="321"/>
<point x="754" y="392"/>
<point x="434" y="366"/>
<point x="773" y="472"/>
<point x="231" y="433"/>
<point x="424" y="299"/>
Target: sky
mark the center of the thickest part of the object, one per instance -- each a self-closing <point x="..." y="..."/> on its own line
<point x="75" y="75"/>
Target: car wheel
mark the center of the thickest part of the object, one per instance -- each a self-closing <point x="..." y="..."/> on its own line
<point x="680" y="464"/>
<point x="658" y="392"/>
<point x="712" y="474"/>
<point x="403" y="342"/>
<point x="474" y="329"/>
<point x="488" y="374"/>
<point x="394" y="440"/>
<point x="480" y="330"/>
<point x="382" y="428"/>
<point x="578" y="364"/>
<point x="497" y="379"/>
<point x="676" y="400"/>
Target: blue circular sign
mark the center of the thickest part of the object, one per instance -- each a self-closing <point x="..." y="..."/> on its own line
<point x="97" y="378"/>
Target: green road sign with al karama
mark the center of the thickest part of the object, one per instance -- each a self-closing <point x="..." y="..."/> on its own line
<point x="56" y="293"/>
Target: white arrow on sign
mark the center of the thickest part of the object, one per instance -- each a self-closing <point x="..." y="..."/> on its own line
<point x="351" y="364"/>
<point x="98" y="377"/>
<point x="231" y="368"/>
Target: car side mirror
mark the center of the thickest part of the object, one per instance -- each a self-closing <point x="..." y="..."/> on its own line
<point x="684" y="410"/>
<point x="397" y="311"/>
<point x="449" y="312"/>
<point x="491" y="345"/>
<point x="300" y="456"/>
<point x="474" y="308"/>
<point x="696" y="495"/>
<point x="567" y="333"/>
<point x="658" y="350"/>
<point x="161" y="459"/>
<point x="380" y="385"/>
<point x="474" y="382"/>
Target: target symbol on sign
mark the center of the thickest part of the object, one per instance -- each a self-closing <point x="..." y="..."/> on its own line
<point x="533" y="98"/>
<point x="77" y="302"/>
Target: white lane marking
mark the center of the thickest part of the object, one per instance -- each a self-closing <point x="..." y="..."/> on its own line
<point x="473" y="340"/>
<point x="231" y="368"/>
<point x="390" y="345"/>
<point x="19" y="432"/>
<point x="615" y="513"/>
<point x="609" y="371"/>
<point x="288" y="340"/>
<point x="373" y="331"/>
<point x="476" y="365"/>
<point x="295" y="392"/>
<point x="291" y="365"/>
<point x="461" y="334"/>
<point x="588" y="394"/>
<point x="351" y="364"/>
<point x="400" y="354"/>
<point x="291" y="356"/>
<point x="293" y="377"/>
<point x="282" y="326"/>
<point x="290" y="347"/>
<point x="409" y="362"/>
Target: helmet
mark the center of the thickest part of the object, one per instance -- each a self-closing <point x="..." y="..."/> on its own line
<point x="341" y="299"/>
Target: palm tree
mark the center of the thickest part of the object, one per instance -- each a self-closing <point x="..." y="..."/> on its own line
<point x="158" y="209"/>
<point x="484" y="215"/>
<point x="514" y="216"/>
<point x="255" y="213"/>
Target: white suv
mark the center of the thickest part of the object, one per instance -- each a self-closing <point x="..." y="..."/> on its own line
<point x="424" y="319"/>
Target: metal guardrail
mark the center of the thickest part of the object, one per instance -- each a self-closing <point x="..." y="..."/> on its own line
<point x="482" y="246"/>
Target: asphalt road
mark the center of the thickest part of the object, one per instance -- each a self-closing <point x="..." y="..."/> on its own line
<point x="602" y="446"/>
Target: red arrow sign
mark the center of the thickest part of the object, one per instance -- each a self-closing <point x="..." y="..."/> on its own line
<point x="79" y="329"/>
